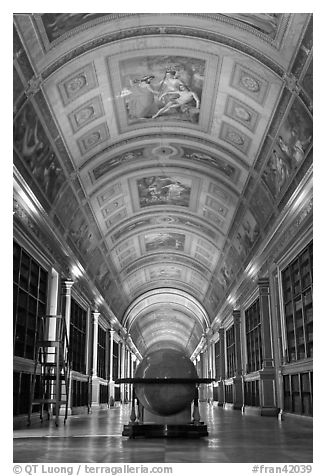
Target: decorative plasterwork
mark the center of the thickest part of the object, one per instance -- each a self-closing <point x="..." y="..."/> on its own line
<point x="93" y="138"/>
<point x="87" y="113"/>
<point x="249" y="82"/>
<point x="242" y="113"/>
<point x="77" y="84"/>
<point x="235" y="137"/>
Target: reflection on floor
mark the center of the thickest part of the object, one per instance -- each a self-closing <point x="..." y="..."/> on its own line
<point x="233" y="438"/>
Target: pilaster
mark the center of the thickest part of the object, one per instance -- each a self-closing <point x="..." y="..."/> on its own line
<point x="111" y="382"/>
<point x="209" y="387"/>
<point x="220" y="388"/>
<point x="123" y="369"/>
<point x="95" y="381"/>
<point x="267" y="374"/>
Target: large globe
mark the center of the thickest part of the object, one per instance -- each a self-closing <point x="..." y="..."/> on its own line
<point x="163" y="398"/>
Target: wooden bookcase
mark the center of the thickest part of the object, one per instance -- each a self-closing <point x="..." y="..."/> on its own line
<point x="230" y="351"/>
<point x="101" y="353"/>
<point x="297" y="297"/>
<point x="78" y="324"/>
<point x="253" y="337"/>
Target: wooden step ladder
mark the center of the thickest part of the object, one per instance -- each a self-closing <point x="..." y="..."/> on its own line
<point x="52" y="365"/>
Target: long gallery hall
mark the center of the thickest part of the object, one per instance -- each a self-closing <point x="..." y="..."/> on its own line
<point x="162" y="238"/>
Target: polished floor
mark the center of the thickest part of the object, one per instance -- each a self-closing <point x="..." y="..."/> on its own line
<point x="233" y="438"/>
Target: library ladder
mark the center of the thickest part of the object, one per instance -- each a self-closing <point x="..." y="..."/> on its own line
<point x="51" y="377"/>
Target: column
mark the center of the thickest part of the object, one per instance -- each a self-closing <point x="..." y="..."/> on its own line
<point x="51" y="328"/>
<point x="220" y="389"/>
<point x="107" y="354"/>
<point x="66" y="303"/>
<point x="277" y="343"/>
<point x="198" y="365"/>
<point x="123" y="369"/>
<point x="133" y="359"/>
<point x="95" y="342"/>
<point x="119" y="364"/>
<point x="213" y="359"/>
<point x="208" y="352"/>
<point x="202" y="393"/>
<point x="66" y="287"/>
<point x="127" y="364"/>
<point x="205" y="389"/>
<point x="237" y="380"/>
<point x="111" y="383"/>
<point x="267" y="374"/>
<point x="89" y="337"/>
<point x="237" y="338"/>
<point x="107" y="364"/>
<point x="209" y="387"/>
<point x="95" y="380"/>
<point x="53" y="304"/>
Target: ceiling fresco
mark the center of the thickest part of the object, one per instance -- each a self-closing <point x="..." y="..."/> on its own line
<point x="161" y="148"/>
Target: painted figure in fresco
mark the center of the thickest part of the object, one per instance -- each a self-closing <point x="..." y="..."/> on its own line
<point x="282" y="170"/>
<point x="31" y="147"/>
<point x="295" y="148"/>
<point x="223" y="166"/>
<point x="283" y="146"/>
<point x="129" y="228"/>
<point x="31" y="143"/>
<point x="80" y="233"/>
<point x="240" y="246"/>
<point x="174" y="190"/>
<point x="265" y="22"/>
<point x="164" y="240"/>
<point x="246" y="236"/>
<point x="160" y="84"/>
<point x="166" y="273"/>
<point x="161" y="190"/>
<point x="102" y="269"/>
<point x="226" y="276"/>
<point x="141" y="102"/>
<point x="64" y="22"/>
<point x="37" y="154"/>
<point x="298" y="146"/>
<point x="51" y="173"/>
<point x="250" y="235"/>
<point x="169" y="84"/>
<point x="276" y="173"/>
<point x="295" y="135"/>
<point x="155" y="190"/>
<point x="183" y="97"/>
<point x="106" y="281"/>
<point x="109" y="164"/>
<point x="213" y="300"/>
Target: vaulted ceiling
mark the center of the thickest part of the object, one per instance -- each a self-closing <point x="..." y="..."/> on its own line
<point x="161" y="147"/>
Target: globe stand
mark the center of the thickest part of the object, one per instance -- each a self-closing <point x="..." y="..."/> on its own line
<point x="155" y="430"/>
<point x="144" y="424"/>
<point x="157" y="426"/>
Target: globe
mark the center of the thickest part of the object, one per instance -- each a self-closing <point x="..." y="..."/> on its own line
<point x="163" y="398"/>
